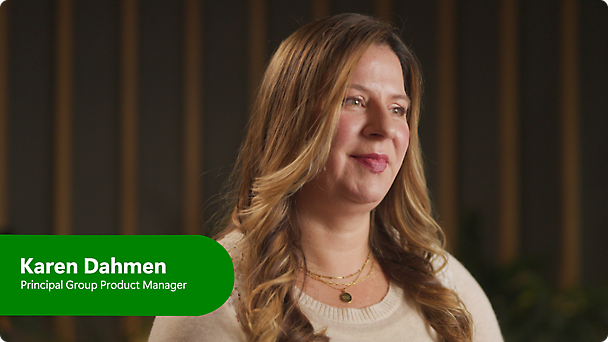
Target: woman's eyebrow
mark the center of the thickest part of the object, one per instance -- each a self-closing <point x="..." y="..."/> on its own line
<point x="394" y="96"/>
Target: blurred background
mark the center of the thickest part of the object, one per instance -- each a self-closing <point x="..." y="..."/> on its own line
<point x="125" y="117"/>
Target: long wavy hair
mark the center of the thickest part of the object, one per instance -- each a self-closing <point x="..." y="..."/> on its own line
<point x="287" y="144"/>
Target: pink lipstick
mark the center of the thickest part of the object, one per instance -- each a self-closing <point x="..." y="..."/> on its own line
<point x="375" y="162"/>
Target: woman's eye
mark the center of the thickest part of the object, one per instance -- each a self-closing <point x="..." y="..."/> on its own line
<point x="399" y="111"/>
<point x="353" y="101"/>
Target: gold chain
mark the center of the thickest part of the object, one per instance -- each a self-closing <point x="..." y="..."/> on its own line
<point x="346" y="285"/>
<point x="344" y="296"/>
<point x="313" y="275"/>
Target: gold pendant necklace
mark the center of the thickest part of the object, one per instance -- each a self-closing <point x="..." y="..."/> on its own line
<point x="345" y="297"/>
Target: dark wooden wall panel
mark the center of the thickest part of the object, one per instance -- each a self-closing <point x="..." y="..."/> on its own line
<point x="160" y="117"/>
<point x="594" y="139"/>
<point x="540" y="131"/>
<point x="4" y="121"/>
<point x="30" y="116"/>
<point x="284" y="17"/>
<point x="31" y="58"/>
<point x="447" y="121"/>
<point x="478" y="41"/>
<point x="192" y="125"/>
<point x="225" y="83"/>
<point x="95" y="135"/>
<point x="509" y="182"/>
<point x="352" y="6"/>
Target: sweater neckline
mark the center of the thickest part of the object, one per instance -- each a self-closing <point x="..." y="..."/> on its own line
<point x="372" y="313"/>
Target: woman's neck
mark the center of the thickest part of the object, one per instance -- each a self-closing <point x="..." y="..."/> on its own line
<point x="334" y="245"/>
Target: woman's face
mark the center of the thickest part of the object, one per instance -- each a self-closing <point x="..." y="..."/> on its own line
<point x="372" y="134"/>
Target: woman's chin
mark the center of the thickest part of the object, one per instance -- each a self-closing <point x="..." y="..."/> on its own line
<point x="371" y="199"/>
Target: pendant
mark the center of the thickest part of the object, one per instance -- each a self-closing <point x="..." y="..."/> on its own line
<point x="346" y="297"/>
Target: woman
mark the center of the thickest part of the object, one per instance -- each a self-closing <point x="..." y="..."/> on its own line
<point x="331" y="231"/>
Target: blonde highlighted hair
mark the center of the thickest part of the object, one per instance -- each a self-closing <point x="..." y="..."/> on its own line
<point x="287" y="144"/>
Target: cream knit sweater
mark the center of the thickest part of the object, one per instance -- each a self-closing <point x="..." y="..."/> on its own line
<point x="395" y="318"/>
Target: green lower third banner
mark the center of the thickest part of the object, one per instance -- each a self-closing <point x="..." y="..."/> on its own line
<point x="113" y="275"/>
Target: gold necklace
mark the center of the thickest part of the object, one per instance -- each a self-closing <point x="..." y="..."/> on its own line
<point x="312" y="274"/>
<point x="345" y="296"/>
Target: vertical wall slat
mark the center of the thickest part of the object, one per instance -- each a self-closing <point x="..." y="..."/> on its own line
<point x="3" y="117"/>
<point x="5" y="323"/>
<point x="63" y="119"/>
<point x="447" y="120"/>
<point x="571" y="254"/>
<point x="129" y="133"/>
<point x="509" y="187"/>
<point x="383" y="9"/>
<point x="64" y="325"/>
<point x="258" y="43"/>
<point x="320" y="9"/>
<point x="192" y="117"/>
<point x="128" y="117"/>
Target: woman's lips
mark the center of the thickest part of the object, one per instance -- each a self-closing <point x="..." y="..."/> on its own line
<point x="375" y="162"/>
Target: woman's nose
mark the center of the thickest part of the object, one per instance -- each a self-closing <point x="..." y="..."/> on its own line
<point x="380" y="122"/>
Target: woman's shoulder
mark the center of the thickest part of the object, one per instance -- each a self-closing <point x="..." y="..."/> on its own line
<point x="458" y="278"/>
<point x="445" y="273"/>
<point x="232" y="242"/>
